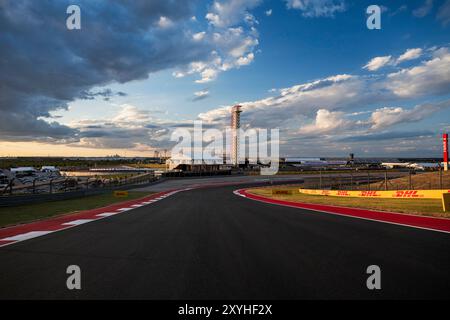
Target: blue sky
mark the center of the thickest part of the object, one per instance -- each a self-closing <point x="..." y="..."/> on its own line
<point x="310" y="68"/>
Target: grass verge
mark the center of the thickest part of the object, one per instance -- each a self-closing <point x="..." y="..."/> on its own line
<point x="31" y="212"/>
<point x="425" y="207"/>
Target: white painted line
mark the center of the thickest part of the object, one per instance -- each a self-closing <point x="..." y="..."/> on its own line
<point x="106" y="214"/>
<point x="77" y="222"/>
<point x="347" y="215"/>
<point x="136" y="205"/>
<point x="28" y="235"/>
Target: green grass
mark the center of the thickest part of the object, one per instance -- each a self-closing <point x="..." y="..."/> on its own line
<point x="30" y="212"/>
<point x="426" y="207"/>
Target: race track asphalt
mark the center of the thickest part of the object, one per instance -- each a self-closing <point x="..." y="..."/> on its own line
<point x="211" y="244"/>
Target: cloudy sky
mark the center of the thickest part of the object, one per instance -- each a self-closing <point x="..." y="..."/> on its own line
<point x="139" y="69"/>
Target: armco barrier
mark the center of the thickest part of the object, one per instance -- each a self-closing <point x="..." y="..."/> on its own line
<point x="396" y="194"/>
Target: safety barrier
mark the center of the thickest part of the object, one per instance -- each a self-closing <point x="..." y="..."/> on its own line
<point x="443" y="194"/>
<point x="21" y="199"/>
<point x="120" y="194"/>
<point x="282" y="192"/>
<point x="398" y="194"/>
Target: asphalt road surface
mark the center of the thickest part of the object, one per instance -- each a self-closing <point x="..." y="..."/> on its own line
<point x="212" y="244"/>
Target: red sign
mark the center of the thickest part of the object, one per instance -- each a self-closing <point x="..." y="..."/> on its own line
<point x="445" y="142"/>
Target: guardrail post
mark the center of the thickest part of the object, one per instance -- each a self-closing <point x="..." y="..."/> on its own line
<point x="51" y="186"/>
<point x="351" y="180"/>
<point x="385" y="181"/>
<point x="320" y="179"/>
<point x="440" y="177"/>
<point x="368" y="179"/>
<point x="11" y="186"/>
<point x="34" y="185"/>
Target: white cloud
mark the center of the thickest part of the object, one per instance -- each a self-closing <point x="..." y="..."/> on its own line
<point x="400" y="9"/>
<point x="130" y="128"/>
<point x="200" y="95"/>
<point x="323" y="109"/>
<point x="326" y="122"/>
<point x="298" y="101"/>
<point x="377" y="63"/>
<point x="268" y="12"/>
<point x="130" y="116"/>
<point x="337" y="122"/>
<point x="389" y="116"/>
<point x="234" y="48"/>
<point x="245" y="60"/>
<point x="208" y="75"/>
<point x="444" y="13"/>
<point x="232" y="37"/>
<point x="199" y="36"/>
<point x="410" y="54"/>
<point x="424" y="10"/>
<point x="345" y="93"/>
<point x="431" y="77"/>
<point x="317" y="8"/>
<point x="165" y="22"/>
<point x="238" y="48"/>
<point x="227" y="13"/>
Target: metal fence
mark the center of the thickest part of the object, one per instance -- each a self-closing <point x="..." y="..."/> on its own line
<point x="380" y="180"/>
<point x="63" y="185"/>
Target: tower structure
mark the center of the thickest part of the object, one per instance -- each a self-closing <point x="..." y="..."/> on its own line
<point x="235" y="126"/>
<point x="445" y="149"/>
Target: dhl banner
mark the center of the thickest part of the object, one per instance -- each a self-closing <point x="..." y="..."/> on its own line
<point x="120" y="194"/>
<point x="408" y="194"/>
<point x="282" y="192"/>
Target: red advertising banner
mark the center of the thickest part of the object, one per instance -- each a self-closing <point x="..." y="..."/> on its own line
<point x="445" y="144"/>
